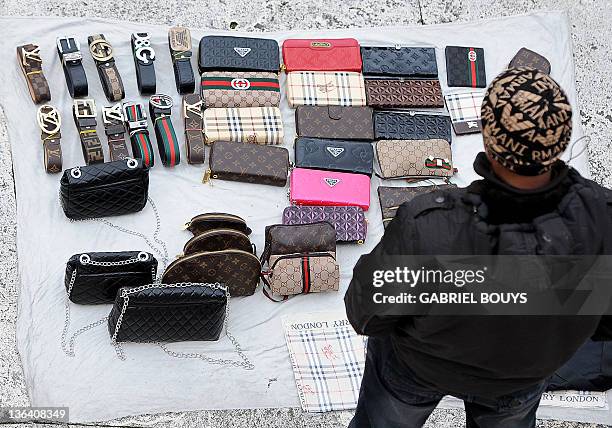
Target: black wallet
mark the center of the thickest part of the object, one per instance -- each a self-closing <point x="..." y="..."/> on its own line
<point x="95" y="278"/>
<point x="104" y="189"/>
<point x="334" y="155"/>
<point x="399" y="61"/>
<point x="465" y="66"/>
<point x="410" y="126"/>
<point x="222" y="53"/>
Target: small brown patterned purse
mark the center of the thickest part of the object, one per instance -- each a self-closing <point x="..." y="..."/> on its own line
<point x="421" y="159"/>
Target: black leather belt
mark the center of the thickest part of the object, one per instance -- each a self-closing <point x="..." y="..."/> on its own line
<point x="114" y="128"/>
<point x="194" y="122"/>
<point x="84" y="113"/>
<point x="136" y="120"/>
<point x="144" y="57"/>
<point x="160" y="110"/>
<point x="179" y="39"/>
<point x="70" y="55"/>
<point x="102" y="53"/>
<point x="49" y="122"/>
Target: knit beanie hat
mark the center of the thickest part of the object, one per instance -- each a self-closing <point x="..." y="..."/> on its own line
<point x="526" y="121"/>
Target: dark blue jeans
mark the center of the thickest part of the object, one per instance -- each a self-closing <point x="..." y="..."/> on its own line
<point x="387" y="400"/>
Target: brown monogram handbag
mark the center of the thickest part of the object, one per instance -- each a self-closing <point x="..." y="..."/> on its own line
<point x="414" y="158"/>
<point x="219" y="240"/>
<point x="210" y="221"/>
<point x="392" y="197"/>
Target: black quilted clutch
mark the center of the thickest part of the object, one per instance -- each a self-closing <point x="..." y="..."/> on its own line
<point x="399" y="62"/>
<point x="95" y="278"/>
<point x="409" y="126"/>
<point x="222" y="53"/>
<point x="168" y="313"/>
<point x="334" y="155"/>
<point x="104" y="189"/>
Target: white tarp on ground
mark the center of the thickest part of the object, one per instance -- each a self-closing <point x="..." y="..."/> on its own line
<point x="95" y="384"/>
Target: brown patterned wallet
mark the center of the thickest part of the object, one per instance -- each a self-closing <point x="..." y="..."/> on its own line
<point x="240" y="89"/>
<point x="336" y="122"/>
<point x="392" y="197"/>
<point x="394" y="93"/>
<point x="414" y="158"/>
<point x="250" y="163"/>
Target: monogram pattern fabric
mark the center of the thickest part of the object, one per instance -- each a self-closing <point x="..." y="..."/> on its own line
<point x="323" y="88"/>
<point x="238" y="53"/>
<point x="402" y="61"/>
<point x="300" y="238"/>
<point x="218" y="240"/>
<point x="236" y="269"/>
<point x="258" y="125"/>
<point x="240" y="89"/>
<point x="465" y="66"/>
<point x="391" y="93"/>
<point x="209" y="221"/>
<point x="249" y="163"/>
<point x="530" y="59"/>
<point x="193" y="118"/>
<point x="308" y="273"/>
<point x="406" y="126"/>
<point x="28" y="57"/>
<point x="352" y="123"/>
<point x="392" y="197"/>
<point x="414" y="158"/>
<point x="350" y="222"/>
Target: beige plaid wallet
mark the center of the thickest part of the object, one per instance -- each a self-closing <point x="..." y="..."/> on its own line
<point x="325" y="88"/>
<point x="259" y="125"/>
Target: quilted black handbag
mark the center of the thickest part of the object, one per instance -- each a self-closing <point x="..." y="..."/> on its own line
<point x="411" y="126"/>
<point x="104" y="189"/>
<point x="95" y="278"/>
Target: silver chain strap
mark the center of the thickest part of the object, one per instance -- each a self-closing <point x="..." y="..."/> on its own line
<point x="85" y="259"/>
<point x="245" y="362"/>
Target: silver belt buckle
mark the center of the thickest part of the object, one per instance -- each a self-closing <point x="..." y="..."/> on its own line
<point x="85" y="108"/>
<point x="138" y="123"/>
<point x="72" y="44"/>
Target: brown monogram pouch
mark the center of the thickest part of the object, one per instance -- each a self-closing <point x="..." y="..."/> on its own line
<point x="238" y="270"/>
<point x="240" y="89"/>
<point x="392" y="197"/>
<point x="249" y="163"/>
<point x="218" y="240"/>
<point x="210" y="221"/>
<point x="283" y="239"/>
<point x="414" y="158"/>
<point x="395" y="93"/>
<point x="303" y="273"/>
<point x="344" y="123"/>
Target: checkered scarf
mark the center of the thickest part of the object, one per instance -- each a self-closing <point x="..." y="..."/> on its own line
<point x="328" y="360"/>
<point x="260" y="125"/>
<point x="323" y="88"/>
<point x="527" y="121"/>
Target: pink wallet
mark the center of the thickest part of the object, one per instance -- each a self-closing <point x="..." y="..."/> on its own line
<point x="317" y="187"/>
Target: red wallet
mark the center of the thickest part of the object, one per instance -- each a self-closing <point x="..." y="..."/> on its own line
<point x="322" y="55"/>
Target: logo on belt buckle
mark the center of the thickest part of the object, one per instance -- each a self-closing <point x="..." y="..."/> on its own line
<point x="49" y="119"/>
<point x="101" y="50"/>
<point x="84" y="108"/>
<point x="161" y="101"/>
<point x="112" y="114"/>
<point x="71" y="44"/>
<point x="240" y="84"/>
<point x="142" y="47"/>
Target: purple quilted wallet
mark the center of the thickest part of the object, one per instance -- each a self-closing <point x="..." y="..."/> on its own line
<point x="350" y="222"/>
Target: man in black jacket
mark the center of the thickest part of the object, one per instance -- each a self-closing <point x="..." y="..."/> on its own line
<point x="529" y="202"/>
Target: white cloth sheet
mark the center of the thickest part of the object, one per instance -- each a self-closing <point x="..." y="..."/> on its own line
<point x="95" y="384"/>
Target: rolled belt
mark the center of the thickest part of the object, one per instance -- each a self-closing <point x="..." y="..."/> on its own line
<point x="70" y="55"/>
<point x="49" y="122"/>
<point x="144" y="60"/>
<point x="136" y="121"/>
<point x="102" y="54"/>
<point x="194" y="122"/>
<point x="114" y="128"/>
<point x="84" y="113"/>
<point x="28" y="57"/>
<point x="160" y="110"/>
<point x="179" y="40"/>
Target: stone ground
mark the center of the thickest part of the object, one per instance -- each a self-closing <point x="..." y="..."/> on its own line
<point x="592" y="38"/>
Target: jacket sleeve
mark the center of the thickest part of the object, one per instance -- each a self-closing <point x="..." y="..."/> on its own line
<point x="398" y="239"/>
<point x="604" y="330"/>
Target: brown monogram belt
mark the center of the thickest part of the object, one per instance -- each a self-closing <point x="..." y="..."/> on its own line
<point x="49" y="122"/>
<point x="194" y="138"/>
<point x="102" y="53"/>
<point x="30" y="62"/>
<point x="84" y="113"/>
<point x="114" y="128"/>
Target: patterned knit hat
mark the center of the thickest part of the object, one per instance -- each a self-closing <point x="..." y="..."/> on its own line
<point x="527" y="121"/>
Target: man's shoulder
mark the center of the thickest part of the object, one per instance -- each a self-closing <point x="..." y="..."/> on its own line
<point x="436" y="202"/>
